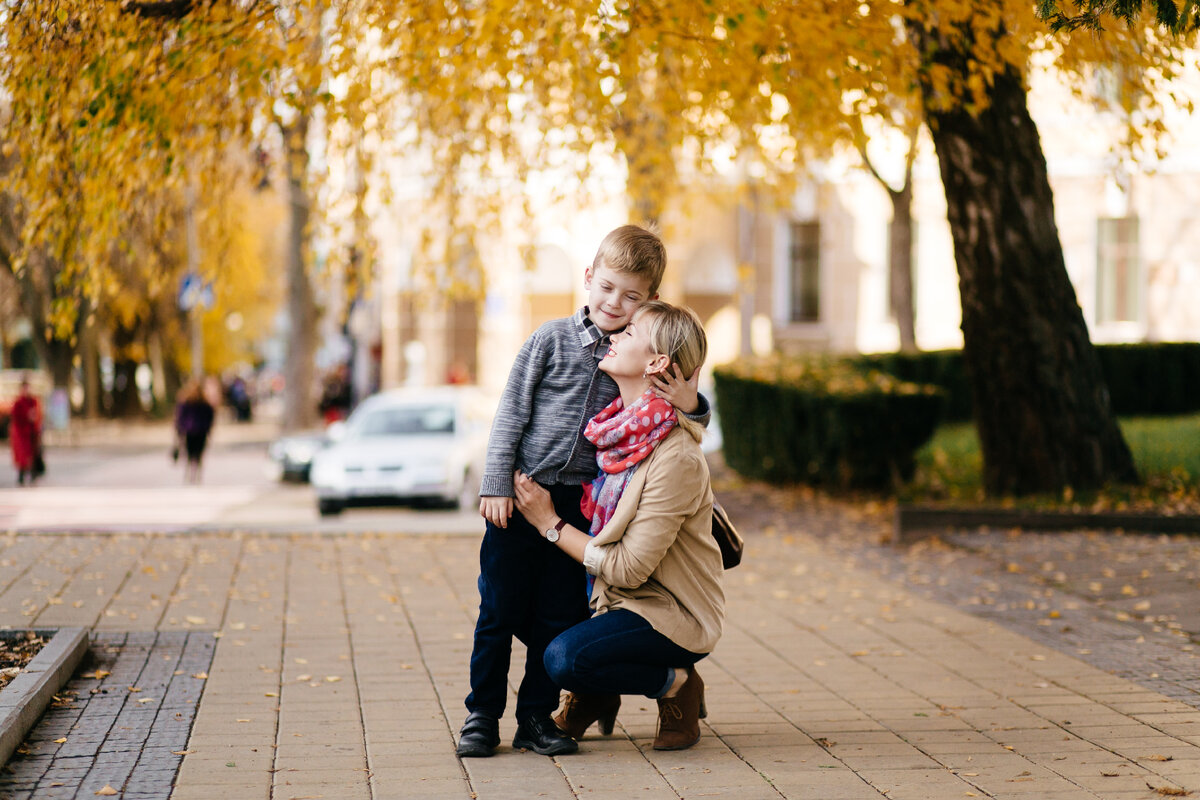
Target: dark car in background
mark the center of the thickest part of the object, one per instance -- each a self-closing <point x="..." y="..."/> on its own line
<point x="293" y="454"/>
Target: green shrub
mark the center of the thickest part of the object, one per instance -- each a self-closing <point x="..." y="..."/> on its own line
<point x="824" y="422"/>
<point x="1150" y="378"/>
<point x="942" y="368"/>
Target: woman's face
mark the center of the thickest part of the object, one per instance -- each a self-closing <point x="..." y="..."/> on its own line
<point x="630" y="354"/>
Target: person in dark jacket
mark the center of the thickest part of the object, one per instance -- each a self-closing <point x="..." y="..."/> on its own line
<point x="193" y="422"/>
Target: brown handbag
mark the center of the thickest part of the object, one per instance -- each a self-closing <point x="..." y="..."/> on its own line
<point x="728" y="539"/>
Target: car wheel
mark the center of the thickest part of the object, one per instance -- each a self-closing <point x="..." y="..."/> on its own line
<point x="329" y="508"/>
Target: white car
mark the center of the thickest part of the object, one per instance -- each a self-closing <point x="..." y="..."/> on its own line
<point x="411" y="444"/>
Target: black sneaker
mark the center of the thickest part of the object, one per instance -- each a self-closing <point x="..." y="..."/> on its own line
<point x="479" y="737"/>
<point x="541" y="735"/>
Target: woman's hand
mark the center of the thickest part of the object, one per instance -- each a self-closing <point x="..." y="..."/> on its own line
<point x="533" y="501"/>
<point x="671" y="386"/>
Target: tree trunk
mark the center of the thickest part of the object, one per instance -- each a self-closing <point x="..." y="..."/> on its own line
<point x="1041" y="404"/>
<point x="38" y="282"/>
<point x="299" y="406"/>
<point x="900" y="267"/>
<point x="900" y="240"/>
<point x="125" y="400"/>
<point x="89" y="357"/>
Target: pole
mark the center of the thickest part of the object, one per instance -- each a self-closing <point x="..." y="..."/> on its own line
<point x="193" y="266"/>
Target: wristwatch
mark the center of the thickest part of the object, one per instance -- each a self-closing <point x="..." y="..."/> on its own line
<point x="551" y="534"/>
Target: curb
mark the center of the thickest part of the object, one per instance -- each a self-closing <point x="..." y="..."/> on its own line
<point x="914" y="523"/>
<point x="27" y="696"/>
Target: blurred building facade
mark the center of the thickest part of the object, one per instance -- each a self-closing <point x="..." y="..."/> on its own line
<point x="812" y="273"/>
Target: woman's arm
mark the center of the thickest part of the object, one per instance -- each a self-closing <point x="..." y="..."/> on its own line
<point x="533" y="501"/>
<point x="670" y="495"/>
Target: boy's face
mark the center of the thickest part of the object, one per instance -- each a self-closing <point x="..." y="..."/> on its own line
<point x="614" y="296"/>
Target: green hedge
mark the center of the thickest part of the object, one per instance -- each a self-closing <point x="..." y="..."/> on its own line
<point x="822" y="422"/>
<point x="1143" y="379"/>
<point x="1152" y="378"/>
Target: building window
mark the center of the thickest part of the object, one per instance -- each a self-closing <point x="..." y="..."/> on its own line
<point x="804" y="272"/>
<point x="1118" y="279"/>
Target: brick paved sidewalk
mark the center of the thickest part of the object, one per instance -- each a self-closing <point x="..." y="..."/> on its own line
<point x="341" y="663"/>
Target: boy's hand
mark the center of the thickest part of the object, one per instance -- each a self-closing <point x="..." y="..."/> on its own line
<point x="672" y="387"/>
<point x="496" y="510"/>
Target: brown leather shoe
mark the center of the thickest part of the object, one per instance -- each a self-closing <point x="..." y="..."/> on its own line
<point x="679" y="716"/>
<point x="581" y="710"/>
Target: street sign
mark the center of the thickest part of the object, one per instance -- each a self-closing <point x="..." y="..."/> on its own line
<point x="195" y="292"/>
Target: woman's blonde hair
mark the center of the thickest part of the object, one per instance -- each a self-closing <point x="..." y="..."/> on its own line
<point x="677" y="333"/>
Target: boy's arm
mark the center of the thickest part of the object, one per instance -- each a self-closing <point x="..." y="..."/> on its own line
<point x="683" y="394"/>
<point x="512" y="417"/>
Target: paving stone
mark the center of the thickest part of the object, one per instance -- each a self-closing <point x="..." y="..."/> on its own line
<point x="108" y="733"/>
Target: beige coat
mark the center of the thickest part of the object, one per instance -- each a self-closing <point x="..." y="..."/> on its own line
<point x="657" y="556"/>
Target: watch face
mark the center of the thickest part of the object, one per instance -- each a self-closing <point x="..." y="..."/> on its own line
<point x="551" y="535"/>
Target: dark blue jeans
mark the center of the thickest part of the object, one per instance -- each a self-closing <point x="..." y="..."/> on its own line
<point x="617" y="652"/>
<point x="529" y="589"/>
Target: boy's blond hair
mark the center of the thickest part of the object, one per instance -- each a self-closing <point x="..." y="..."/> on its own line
<point x="677" y="333"/>
<point x="635" y="251"/>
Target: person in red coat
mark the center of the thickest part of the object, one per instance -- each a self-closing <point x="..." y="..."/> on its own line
<point x="25" y="432"/>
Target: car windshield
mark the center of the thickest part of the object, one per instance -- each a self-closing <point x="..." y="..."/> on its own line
<point x="414" y="421"/>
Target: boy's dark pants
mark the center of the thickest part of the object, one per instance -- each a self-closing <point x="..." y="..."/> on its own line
<point x="529" y="589"/>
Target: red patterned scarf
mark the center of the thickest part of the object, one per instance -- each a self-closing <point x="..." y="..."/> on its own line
<point x="623" y="437"/>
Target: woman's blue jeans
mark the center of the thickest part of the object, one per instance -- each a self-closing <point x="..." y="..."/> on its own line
<point x="617" y="652"/>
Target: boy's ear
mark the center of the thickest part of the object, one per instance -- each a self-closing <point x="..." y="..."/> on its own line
<point x="587" y="276"/>
<point x="654" y="296"/>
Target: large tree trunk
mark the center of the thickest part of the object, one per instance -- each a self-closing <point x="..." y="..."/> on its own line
<point x="299" y="405"/>
<point x="1041" y="404"/>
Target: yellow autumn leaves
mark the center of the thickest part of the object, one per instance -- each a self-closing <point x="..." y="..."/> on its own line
<point x="113" y="113"/>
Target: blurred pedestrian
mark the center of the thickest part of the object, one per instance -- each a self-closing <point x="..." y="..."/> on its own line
<point x="238" y="398"/>
<point x="25" y="435"/>
<point x="336" y="395"/>
<point x="193" y="422"/>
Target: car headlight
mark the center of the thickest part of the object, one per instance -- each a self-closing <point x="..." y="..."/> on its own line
<point x="301" y="453"/>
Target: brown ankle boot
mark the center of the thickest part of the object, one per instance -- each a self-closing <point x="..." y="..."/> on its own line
<point x="581" y="710"/>
<point x="679" y="716"/>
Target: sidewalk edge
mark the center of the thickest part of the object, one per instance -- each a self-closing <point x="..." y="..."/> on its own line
<point x="24" y="700"/>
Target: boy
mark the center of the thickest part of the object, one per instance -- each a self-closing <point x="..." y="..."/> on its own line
<point x="528" y="588"/>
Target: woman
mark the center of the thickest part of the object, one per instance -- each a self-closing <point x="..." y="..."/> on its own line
<point x="25" y="433"/>
<point x="657" y="571"/>
<point x="193" y="421"/>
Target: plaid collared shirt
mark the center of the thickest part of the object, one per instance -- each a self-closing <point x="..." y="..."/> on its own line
<point x="590" y="336"/>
